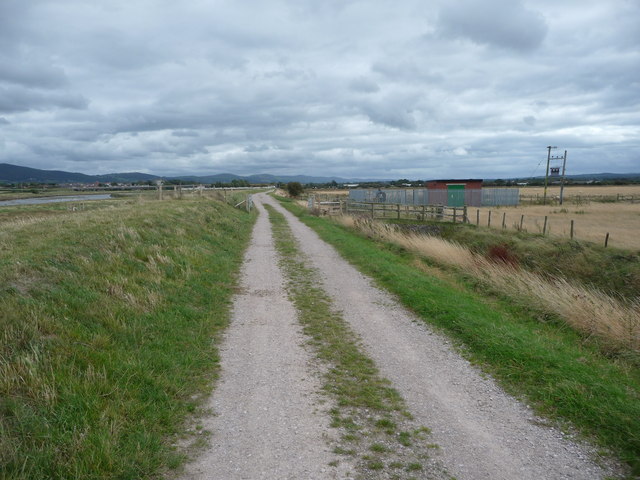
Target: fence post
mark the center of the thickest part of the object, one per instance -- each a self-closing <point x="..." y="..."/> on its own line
<point x="424" y="208"/>
<point x="504" y="219"/>
<point x="489" y="220"/>
<point x="372" y="211"/>
<point x="465" y="219"/>
<point x="571" y="232"/>
<point x="478" y="217"/>
<point x="398" y="211"/>
<point x="521" y="222"/>
<point x="544" y="228"/>
<point x="606" y="240"/>
<point x="455" y="214"/>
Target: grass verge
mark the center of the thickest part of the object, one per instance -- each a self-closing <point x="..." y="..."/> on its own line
<point x="562" y="376"/>
<point x="376" y="428"/>
<point x="106" y="333"/>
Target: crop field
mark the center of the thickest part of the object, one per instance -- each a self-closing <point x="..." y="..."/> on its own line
<point x="591" y="221"/>
<point x="572" y="192"/>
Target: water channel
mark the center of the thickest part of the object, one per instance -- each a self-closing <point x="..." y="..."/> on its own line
<point x="39" y="200"/>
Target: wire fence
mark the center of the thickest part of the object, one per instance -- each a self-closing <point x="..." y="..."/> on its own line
<point x="376" y="210"/>
<point x="490" y="197"/>
<point x="545" y="225"/>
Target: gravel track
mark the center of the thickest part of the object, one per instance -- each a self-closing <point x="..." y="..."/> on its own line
<point x="268" y="420"/>
<point x="483" y="432"/>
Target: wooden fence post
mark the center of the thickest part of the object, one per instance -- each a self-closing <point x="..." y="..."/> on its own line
<point x="478" y="217"/>
<point x="606" y="240"/>
<point x="372" y="211"/>
<point x="571" y="232"/>
<point x="521" y="222"/>
<point x="544" y="228"/>
<point x="424" y="208"/>
<point x="465" y="219"/>
<point x="398" y="211"/>
<point x="489" y="219"/>
<point x="504" y="219"/>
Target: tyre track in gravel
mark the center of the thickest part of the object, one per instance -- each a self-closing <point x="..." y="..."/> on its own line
<point x="268" y="420"/>
<point x="483" y="432"/>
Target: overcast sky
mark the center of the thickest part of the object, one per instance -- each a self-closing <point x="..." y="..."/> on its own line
<point x="357" y="89"/>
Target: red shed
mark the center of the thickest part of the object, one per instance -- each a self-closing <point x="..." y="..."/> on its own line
<point x="455" y="193"/>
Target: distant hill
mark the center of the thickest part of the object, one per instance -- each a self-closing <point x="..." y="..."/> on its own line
<point x="604" y="176"/>
<point x="16" y="174"/>
<point x="125" y="177"/>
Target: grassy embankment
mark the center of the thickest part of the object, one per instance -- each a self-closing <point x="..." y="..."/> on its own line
<point x="108" y="316"/>
<point x="562" y="374"/>
<point x="377" y="431"/>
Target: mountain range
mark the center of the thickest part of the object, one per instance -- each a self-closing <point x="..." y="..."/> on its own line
<point x="17" y="174"/>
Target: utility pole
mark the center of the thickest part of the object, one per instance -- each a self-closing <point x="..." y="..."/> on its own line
<point x="564" y="169"/>
<point x="546" y="175"/>
<point x="554" y="171"/>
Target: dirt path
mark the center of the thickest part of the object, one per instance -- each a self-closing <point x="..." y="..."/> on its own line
<point x="269" y="422"/>
<point x="483" y="433"/>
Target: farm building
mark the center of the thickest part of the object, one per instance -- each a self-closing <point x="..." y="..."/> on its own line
<point x="453" y="193"/>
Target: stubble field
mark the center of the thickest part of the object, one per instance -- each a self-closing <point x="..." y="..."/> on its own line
<point x="592" y="219"/>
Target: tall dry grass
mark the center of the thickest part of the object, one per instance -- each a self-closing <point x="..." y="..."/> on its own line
<point x="615" y="323"/>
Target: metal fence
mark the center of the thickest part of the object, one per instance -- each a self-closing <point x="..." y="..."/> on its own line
<point x="486" y="197"/>
<point x="398" y="211"/>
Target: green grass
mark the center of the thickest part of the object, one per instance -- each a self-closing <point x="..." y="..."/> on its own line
<point x="368" y="409"/>
<point x="106" y="333"/>
<point x="561" y="375"/>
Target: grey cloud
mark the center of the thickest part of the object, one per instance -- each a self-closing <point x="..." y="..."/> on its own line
<point x="31" y="72"/>
<point x="413" y="89"/>
<point x="185" y="133"/>
<point x="390" y="115"/>
<point x="17" y="99"/>
<point x="501" y="23"/>
<point x="364" y="85"/>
